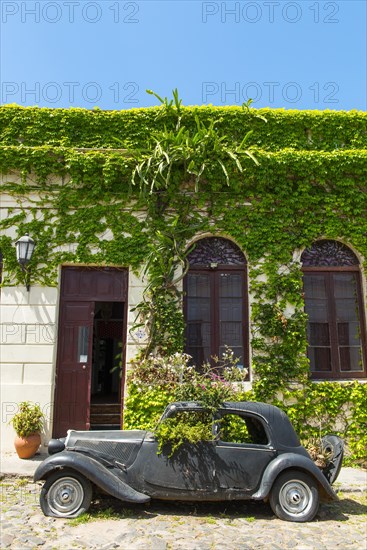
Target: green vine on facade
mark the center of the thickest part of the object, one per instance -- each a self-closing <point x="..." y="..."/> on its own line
<point x="154" y="180"/>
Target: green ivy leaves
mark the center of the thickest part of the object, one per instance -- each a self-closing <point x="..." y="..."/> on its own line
<point x="181" y="172"/>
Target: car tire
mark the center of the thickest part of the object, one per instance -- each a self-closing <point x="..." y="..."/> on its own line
<point x="65" y="494"/>
<point x="295" y="496"/>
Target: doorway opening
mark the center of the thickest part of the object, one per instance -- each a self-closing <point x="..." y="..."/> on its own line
<point x="89" y="389"/>
<point x="107" y="360"/>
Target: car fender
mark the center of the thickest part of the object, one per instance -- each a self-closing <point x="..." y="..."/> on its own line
<point x="93" y="470"/>
<point x="290" y="461"/>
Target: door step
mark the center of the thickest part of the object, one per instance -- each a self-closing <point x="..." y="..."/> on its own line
<point x="105" y="407"/>
<point x="105" y="415"/>
<point x="96" y="427"/>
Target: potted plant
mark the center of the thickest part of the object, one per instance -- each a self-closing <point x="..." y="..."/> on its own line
<point x="28" y="424"/>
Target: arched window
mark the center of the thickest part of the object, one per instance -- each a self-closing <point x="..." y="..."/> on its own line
<point x="334" y="305"/>
<point x="215" y="305"/>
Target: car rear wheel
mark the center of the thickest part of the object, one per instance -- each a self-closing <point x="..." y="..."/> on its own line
<point x="295" y="497"/>
<point x="65" y="494"/>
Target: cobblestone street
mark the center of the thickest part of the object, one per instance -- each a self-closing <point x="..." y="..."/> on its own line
<point x="168" y="526"/>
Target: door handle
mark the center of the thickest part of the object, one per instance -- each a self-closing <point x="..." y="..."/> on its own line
<point x="84" y="367"/>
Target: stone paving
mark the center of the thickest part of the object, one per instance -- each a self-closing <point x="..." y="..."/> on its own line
<point x="169" y="526"/>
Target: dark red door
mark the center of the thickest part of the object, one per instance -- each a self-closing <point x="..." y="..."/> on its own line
<point x="81" y="289"/>
<point x="75" y="362"/>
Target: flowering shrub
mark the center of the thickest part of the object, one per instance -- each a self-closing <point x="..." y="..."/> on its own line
<point x="151" y="387"/>
<point x="156" y="381"/>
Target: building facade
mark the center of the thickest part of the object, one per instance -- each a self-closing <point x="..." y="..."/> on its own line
<point x="283" y="250"/>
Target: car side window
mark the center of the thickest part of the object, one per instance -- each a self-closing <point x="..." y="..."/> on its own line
<point x="192" y="418"/>
<point x="189" y="424"/>
<point x="236" y="428"/>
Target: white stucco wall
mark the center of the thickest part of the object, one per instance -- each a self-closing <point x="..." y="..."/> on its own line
<point x="136" y="336"/>
<point x="28" y="323"/>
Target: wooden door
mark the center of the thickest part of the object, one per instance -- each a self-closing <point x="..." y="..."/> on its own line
<point x="81" y="288"/>
<point x="75" y="364"/>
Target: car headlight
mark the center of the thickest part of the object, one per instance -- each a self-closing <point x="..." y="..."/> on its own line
<point x="56" y="446"/>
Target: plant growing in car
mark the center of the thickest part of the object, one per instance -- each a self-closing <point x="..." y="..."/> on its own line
<point x="185" y="427"/>
<point x="210" y="385"/>
<point x="318" y="452"/>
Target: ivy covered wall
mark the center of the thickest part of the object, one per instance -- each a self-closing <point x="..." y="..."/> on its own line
<point x="133" y="188"/>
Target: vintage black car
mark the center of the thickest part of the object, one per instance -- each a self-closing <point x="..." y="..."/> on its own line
<point x="254" y="453"/>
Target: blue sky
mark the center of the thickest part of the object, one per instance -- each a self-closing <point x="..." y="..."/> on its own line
<point x="106" y="53"/>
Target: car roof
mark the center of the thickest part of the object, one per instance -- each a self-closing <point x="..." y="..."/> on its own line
<point x="281" y="427"/>
<point x="263" y="409"/>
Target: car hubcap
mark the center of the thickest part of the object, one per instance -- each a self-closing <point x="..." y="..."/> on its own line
<point x="295" y="498"/>
<point x="65" y="496"/>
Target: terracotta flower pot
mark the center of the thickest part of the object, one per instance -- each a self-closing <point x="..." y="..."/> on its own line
<point x="27" y="447"/>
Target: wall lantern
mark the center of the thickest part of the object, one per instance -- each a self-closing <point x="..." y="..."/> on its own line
<point x="25" y="247"/>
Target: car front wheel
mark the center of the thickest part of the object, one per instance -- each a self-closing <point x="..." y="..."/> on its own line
<point x="65" y="494"/>
<point x="295" y="497"/>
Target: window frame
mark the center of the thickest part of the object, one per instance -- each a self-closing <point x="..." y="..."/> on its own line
<point x="214" y="274"/>
<point x="243" y="415"/>
<point x="336" y="373"/>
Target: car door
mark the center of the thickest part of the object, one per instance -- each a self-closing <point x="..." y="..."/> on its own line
<point x="188" y="472"/>
<point x="243" y="452"/>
